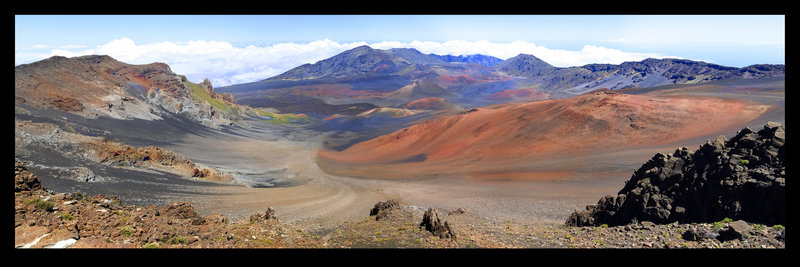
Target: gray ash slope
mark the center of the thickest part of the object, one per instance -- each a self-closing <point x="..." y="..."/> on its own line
<point x="743" y="178"/>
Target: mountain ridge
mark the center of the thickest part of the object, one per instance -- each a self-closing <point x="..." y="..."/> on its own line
<point x="525" y="65"/>
<point x="404" y="65"/>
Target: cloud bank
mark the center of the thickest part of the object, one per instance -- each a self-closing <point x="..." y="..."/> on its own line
<point x="224" y="64"/>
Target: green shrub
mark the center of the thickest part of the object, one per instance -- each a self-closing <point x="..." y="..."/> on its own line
<point x="176" y="239"/>
<point x="126" y="230"/>
<point x="65" y="216"/>
<point x="40" y="204"/>
<point x="744" y="162"/>
<point x="151" y="245"/>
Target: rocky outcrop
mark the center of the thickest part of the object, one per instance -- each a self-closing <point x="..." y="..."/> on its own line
<point x="382" y="209"/>
<point x="742" y="179"/>
<point x="432" y="223"/>
<point x="24" y="180"/>
<point x="264" y="216"/>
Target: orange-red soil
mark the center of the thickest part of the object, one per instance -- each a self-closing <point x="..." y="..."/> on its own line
<point x="512" y="137"/>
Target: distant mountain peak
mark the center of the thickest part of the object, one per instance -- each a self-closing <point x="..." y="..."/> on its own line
<point x="526" y="65"/>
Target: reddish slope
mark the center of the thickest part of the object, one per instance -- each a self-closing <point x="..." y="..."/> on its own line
<point x="560" y="128"/>
<point x="518" y="94"/>
<point x="430" y="103"/>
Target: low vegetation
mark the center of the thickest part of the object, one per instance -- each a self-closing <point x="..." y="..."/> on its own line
<point x="200" y="94"/>
<point x="282" y="119"/>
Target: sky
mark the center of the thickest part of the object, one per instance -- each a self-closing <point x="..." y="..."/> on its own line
<point x="233" y="49"/>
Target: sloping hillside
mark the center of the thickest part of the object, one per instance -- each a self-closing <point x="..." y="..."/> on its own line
<point x="93" y="86"/>
<point x="561" y="128"/>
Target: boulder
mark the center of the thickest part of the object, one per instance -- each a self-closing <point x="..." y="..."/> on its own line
<point x="692" y="235"/>
<point x="734" y="230"/>
<point x="432" y="223"/>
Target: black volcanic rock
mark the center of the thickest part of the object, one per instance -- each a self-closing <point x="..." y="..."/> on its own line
<point x="432" y="223"/>
<point x="742" y="178"/>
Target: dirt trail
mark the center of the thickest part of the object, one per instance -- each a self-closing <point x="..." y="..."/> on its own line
<point x="281" y="173"/>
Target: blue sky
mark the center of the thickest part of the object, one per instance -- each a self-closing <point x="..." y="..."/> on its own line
<point x="233" y="49"/>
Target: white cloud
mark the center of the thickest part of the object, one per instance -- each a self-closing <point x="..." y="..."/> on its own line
<point x="225" y="64"/>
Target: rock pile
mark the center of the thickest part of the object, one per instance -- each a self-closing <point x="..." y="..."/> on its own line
<point x="742" y="179"/>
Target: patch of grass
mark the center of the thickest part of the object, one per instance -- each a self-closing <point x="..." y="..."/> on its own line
<point x="126" y="230"/>
<point x="720" y="224"/>
<point x="176" y="239"/>
<point x="123" y="215"/>
<point x="40" y="204"/>
<point x="779" y="227"/>
<point x="267" y="241"/>
<point x="152" y="245"/>
<point x="744" y="162"/>
<point x="65" y="216"/>
<point x="282" y="119"/>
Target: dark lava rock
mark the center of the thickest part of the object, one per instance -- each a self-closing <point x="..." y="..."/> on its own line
<point x="742" y="178"/>
<point x="432" y="223"/>
<point x="693" y="235"/>
<point x="382" y="209"/>
<point x="735" y="230"/>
